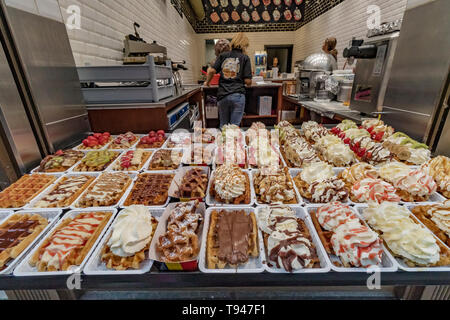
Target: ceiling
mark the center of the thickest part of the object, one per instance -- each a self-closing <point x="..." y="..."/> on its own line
<point x="310" y="9"/>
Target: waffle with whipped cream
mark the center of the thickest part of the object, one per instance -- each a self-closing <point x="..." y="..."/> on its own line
<point x="439" y="169"/>
<point x="274" y="187"/>
<point x="436" y="218"/>
<point x="416" y="186"/>
<point x="230" y="185"/>
<point x="166" y="159"/>
<point x="132" y="160"/>
<point x="357" y="172"/>
<point x="297" y="152"/>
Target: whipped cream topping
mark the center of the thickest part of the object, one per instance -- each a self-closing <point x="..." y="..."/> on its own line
<point x="230" y="182"/>
<point x="280" y="217"/>
<point x="392" y="171"/>
<point x="313" y="131"/>
<point x="299" y="152"/>
<point x="359" y="171"/>
<point x="439" y="169"/>
<point x="356" y="133"/>
<point x="417" y="183"/>
<point x="402" y="235"/>
<point x="419" y="156"/>
<point x="132" y="231"/>
<point x="340" y="155"/>
<point x="317" y="171"/>
<point x="326" y="141"/>
<point x="374" y="190"/>
<point x="334" y="214"/>
<point x="275" y="186"/>
<point x="329" y="190"/>
<point x="440" y="215"/>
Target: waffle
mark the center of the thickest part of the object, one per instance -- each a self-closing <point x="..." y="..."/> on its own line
<point x="357" y="172"/>
<point x="165" y="159"/>
<point x="65" y="192"/>
<point x="324" y="235"/>
<point x="193" y="185"/>
<point x="60" y="161"/>
<point x="154" y="145"/>
<point x="150" y="190"/>
<point x="96" y="161"/>
<point x="219" y="232"/>
<point x="123" y="141"/>
<point x="324" y="187"/>
<point x="439" y="169"/>
<point x="133" y="160"/>
<point x="106" y="191"/>
<point x="25" y="189"/>
<point x="423" y="213"/>
<point x="197" y="156"/>
<point x="179" y="140"/>
<point x="275" y="187"/>
<point x="180" y="242"/>
<point x="70" y="242"/>
<point x="236" y="156"/>
<point x="113" y="261"/>
<point x="233" y="175"/>
<point x="17" y="233"/>
<point x="96" y="147"/>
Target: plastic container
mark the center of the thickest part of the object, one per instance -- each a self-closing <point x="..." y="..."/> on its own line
<point x="24" y="269"/>
<point x="147" y="169"/>
<point x="110" y="168"/>
<point x="211" y="201"/>
<point x="254" y="265"/>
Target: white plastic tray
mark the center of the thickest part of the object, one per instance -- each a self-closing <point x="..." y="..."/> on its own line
<point x="254" y="265"/>
<point x="146" y="167"/>
<point x="388" y="263"/>
<point x="24" y="269"/>
<point x="401" y="264"/>
<point x="123" y="152"/>
<point x="52" y="217"/>
<point x="95" y="266"/>
<point x="325" y="264"/>
<point x="211" y="201"/>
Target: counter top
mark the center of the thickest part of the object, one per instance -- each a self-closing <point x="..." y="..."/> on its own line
<point x="265" y="85"/>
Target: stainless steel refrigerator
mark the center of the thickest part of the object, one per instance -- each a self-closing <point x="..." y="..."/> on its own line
<point x="41" y="105"/>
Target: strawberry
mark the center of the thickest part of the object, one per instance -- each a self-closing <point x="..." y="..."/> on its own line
<point x="152" y="134"/>
<point x="370" y="129"/>
<point x="97" y="135"/>
<point x="358" y="144"/>
<point x="59" y="153"/>
<point x="347" y="140"/>
<point x="126" y="164"/>
<point x="369" y="155"/>
<point x="341" y="135"/>
<point x="160" y="139"/>
<point x="92" y="138"/>
<point x="152" y="140"/>
<point x="379" y="136"/>
<point x="92" y="144"/>
<point x="86" y="142"/>
<point x="107" y="134"/>
<point x="360" y="127"/>
<point x="334" y="130"/>
<point x="161" y="133"/>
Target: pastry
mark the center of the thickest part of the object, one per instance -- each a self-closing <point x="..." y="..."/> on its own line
<point x="366" y="149"/>
<point x="357" y="172"/>
<point x="130" y="239"/>
<point x="286" y="131"/>
<point x="287" y="240"/>
<point x="232" y="239"/>
<point x="69" y="244"/>
<point x="297" y="152"/>
<point x="96" y="161"/>
<point x="274" y="186"/>
<point x="313" y="131"/>
<point x="60" y="161"/>
<point x="373" y="190"/>
<point x="24" y="190"/>
<point x="318" y="184"/>
<point x="377" y="129"/>
<point x="179" y="140"/>
<point x="180" y="242"/>
<point x="391" y="172"/>
<point x="335" y="152"/>
<point x="193" y="184"/>
<point x="153" y="140"/>
<point x="230" y="185"/>
<point x="124" y="141"/>
<point x="205" y="136"/>
<point x="416" y="186"/>
<point x="261" y="154"/>
<point x="150" y="189"/>
<point x="436" y="218"/>
<point x="405" y="238"/>
<point x="132" y="160"/>
<point x="439" y="169"/>
<point x="257" y="130"/>
<point x="231" y="134"/>
<point x="408" y="150"/>
<point x="165" y="159"/>
<point x="65" y="192"/>
<point x="346" y="125"/>
<point x="233" y="154"/>
<point x="16" y="234"/>
<point x="106" y="191"/>
<point x="342" y="234"/>
<point x="198" y="155"/>
<point x="96" y="141"/>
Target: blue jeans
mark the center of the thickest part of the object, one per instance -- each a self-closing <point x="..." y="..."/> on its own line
<point x="231" y="109"/>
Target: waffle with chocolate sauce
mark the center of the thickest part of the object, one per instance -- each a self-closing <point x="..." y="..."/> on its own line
<point x="193" y="185"/>
<point x="60" y="161"/>
<point x="165" y="159"/>
<point x="232" y="239"/>
<point x="150" y="190"/>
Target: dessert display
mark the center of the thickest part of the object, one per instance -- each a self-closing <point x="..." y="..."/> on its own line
<point x="357" y="172"/>
<point x="193" y="184"/>
<point x="233" y="154"/>
<point x="96" y="161"/>
<point x="198" y="155"/>
<point x="130" y="239"/>
<point x="17" y="233"/>
<point x="335" y="152"/>
<point x="287" y="240"/>
<point x="25" y="189"/>
<point x="179" y="140"/>
<point x="165" y="159"/>
<point x="153" y="140"/>
<point x="297" y="152"/>
<point x="416" y="186"/>
<point x="313" y="131"/>
<point x="180" y="242"/>
<point x="132" y="160"/>
<point x="439" y="169"/>
<point x="232" y="239"/>
<point x="318" y="184"/>
<point x="407" y="150"/>
<point x="106" y="191"/>
<point x="96" y="141"/>
<point x="436" y="218"/>
<point x="150" y="189"/>
<point x="343" y="235"/>
<point x="373" y="190"/>
<point x="377" y="129"/>
<point x="65" y="192"/>
<point x="69" y="244"/>
<point x="274" y="186"/>
<point x="60" y="161"/>
<point x="405" y="238"/>
<point x="124" y="141"/>
<point x="230" y="185"/>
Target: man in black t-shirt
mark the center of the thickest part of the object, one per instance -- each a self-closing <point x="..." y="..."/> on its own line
<point x="235" y="72"/>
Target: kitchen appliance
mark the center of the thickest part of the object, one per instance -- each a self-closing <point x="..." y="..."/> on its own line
<point x="179" y="117"/>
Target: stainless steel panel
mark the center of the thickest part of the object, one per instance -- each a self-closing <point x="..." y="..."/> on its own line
<point x="14" y="121"/>
<point x="420" y="68"/>
<point x="49" y="65"/>
<point x="443" y="147"/>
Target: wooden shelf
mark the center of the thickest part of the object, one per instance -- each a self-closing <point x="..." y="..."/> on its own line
<point x="255" y="116"/>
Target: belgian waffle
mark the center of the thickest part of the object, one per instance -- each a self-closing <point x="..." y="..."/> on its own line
<point x="197" y="156"/>
<point x="17" y="233"/>
<point x="60" y="161"/>
<point x="150" y="190"/>
<point x="423" y="213"/>
<point x="193" y="185"/>
<point x="165" y="160"/>
<point x="329" y="190"/>
<point x="70" y="242"/>
<point x="26" y="188"/>
<point x="222" y="228"/>
<point x="113" y="261"/>
<point x="97" y="147"/>
<point x="154" y="145"/>
<point x="106" y="191"/>
<point x="232" y="174"/>
<point x="324" y="235"/>
<point x="275" y="187"/>
<point x="65" y="192"/>
<point x="133" y="160"/>
<point x="96" y="161"/>
<point x="123" y="141"/>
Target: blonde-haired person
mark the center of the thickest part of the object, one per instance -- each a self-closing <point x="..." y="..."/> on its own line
<point x="329" y="46"/>
<point x="235" y="72"/>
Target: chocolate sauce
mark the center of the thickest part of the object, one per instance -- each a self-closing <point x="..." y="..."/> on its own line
<point x="12" y="234"/>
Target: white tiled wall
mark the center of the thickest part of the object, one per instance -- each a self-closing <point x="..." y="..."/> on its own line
<point x="104" y="24"/>
<point x="346" y="20"/>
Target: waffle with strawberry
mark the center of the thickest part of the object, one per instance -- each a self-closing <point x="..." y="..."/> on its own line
<point x="153" y="140"/>
<point x="124" y="141"/>
<point x="96" y="141"/>
<point x="132" y="160"/>
<point x="377" y="129"/>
